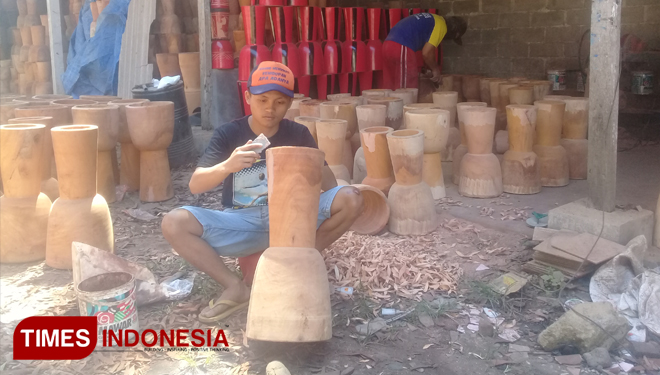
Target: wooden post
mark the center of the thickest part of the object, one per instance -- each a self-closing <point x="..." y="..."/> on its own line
<point x="604" y="102"/>
<point x="56" y="48"/>
<point x="204" y="20"/>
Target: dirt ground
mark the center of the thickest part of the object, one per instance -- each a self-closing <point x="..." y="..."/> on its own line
<point x="434" y="338"/>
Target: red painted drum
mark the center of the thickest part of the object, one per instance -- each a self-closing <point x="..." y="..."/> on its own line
<point x="222" y="54"/>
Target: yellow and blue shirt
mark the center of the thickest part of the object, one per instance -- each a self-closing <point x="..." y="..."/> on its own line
<point x="417" y="30"/>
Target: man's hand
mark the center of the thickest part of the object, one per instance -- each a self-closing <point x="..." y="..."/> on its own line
<point x="242" y="157"/>
<point x="436" y="75"/>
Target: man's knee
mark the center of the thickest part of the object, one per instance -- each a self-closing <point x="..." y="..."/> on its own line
<point x="177" y="222"/>
<point x="350" y="200"/>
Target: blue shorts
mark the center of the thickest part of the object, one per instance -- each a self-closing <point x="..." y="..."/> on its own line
<point x="242" y="232"/>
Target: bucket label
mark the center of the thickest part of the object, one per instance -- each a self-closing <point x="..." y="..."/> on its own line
<point x="558" y="80"/>
<point x="642" y="83"/>
<point x="113" y="314"/>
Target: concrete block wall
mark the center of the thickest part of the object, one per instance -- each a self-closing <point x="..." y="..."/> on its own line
<point x="508" y="38"/>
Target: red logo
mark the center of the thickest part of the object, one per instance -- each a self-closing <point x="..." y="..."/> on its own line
<point x="76" y="337"/>
<point x="55" y="337"/>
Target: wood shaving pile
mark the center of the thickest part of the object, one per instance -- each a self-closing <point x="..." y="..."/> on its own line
<point x="391" y="265"/>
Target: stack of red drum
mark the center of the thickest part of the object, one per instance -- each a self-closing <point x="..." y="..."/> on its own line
<point x="330" y="50"/>
<point x="221" y="48"/>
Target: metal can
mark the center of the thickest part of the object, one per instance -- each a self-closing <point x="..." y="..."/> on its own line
<point x="558" y="79"/>
<point x="642" y="83"/>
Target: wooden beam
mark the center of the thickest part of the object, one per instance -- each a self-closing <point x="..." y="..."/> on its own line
<point x="56" y="48"/>
<point x="604" y="102"/>
<point x="134" y="67"/>
<point x="204" y="20"/>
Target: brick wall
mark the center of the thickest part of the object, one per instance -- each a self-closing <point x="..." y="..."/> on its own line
<point x="507" y="38"/>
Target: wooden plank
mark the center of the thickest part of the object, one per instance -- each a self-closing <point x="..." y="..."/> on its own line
<point x="56" y="48"/>
<point x="542" y="234"/>
<point x="603" y="102"/>
<point x="540" y="268"/>
<point x="204" y="20"/>
<point x="582" y="244"/>
<point x="134" y="67"/>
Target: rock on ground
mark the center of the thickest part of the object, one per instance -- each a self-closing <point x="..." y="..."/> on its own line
<point x="599" y="357"/>
<point x="573" y="329"/>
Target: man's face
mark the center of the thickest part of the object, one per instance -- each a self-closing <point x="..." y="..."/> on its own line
<point x="269" y="108"/>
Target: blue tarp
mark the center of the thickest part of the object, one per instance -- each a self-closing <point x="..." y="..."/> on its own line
<point x="93" y="63"/>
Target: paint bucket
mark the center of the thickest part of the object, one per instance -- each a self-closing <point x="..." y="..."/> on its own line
<point x="558" y="79"/>
<point x="642" y="83"/>
<point x="111" y="298"/>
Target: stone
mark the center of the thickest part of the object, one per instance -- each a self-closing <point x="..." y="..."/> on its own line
<point x="448" y="323"/>
<point x="426" y="320"/>
<point x="371" y="327"/>
<point x="518" y="348"/>
<point x="395" y="366"/>
<point x="573" y="329"/>
<point x="519" y="357"/>
<point x="486" y="328"/>
<point x="574" y="359"/>
<point x="453" y="335"/>
<point x="598" y="358"/>
<point x="620" y="226"/>
<point x="348" y="370"/>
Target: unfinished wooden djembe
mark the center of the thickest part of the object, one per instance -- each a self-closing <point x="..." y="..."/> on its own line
<point x="377" y="158"/>
<point x="461" y="150"/>
<point x="129" y="173"/>
<point x="435" y="125"/>
<point x="471" y="88"/>
<point x="70" y="103"/>
<point x="23" y="208"/>
<point x="151" y="125"/>
<point x="494" y="90"/>
<point x="310" y="108"/>
<point x="574" y="136"/>
<point x="484" y="89"/>
<point x="405" y="96"/>
<point x="541" y="89"/>
<point x="99" y="98"/>
<point x="332" y="140"/>
<point x="290" y="299"/>
<point x="79" y="214"/>
<point x="410" y="107"/>
<point x="413" y="90"/>
<point x="7" y="109"/>
<point x="521" y="95"/>
<point x="49" y="185"/>
<point x="448" y="100"/>
<point x="412" y="209"/>
<point x="376" y="92"/>
<point x="520" y="169"/>
<point x="376" y="211"/>
<point x="309" y="123"/>
<point x="344" y="110"/>
<point x="394" y="106"/>
<point x="481" y="174"/>
<point x="106" y="118"/>
<point x="552" y="157"/>
<point x="369" y="115"/>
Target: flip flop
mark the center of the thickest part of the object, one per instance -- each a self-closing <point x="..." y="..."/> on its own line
<point x="234" y="306"/>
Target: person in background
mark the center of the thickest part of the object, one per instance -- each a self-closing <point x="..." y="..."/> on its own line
<point x="422" y="31"/>
<point x="204" y="236"/>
